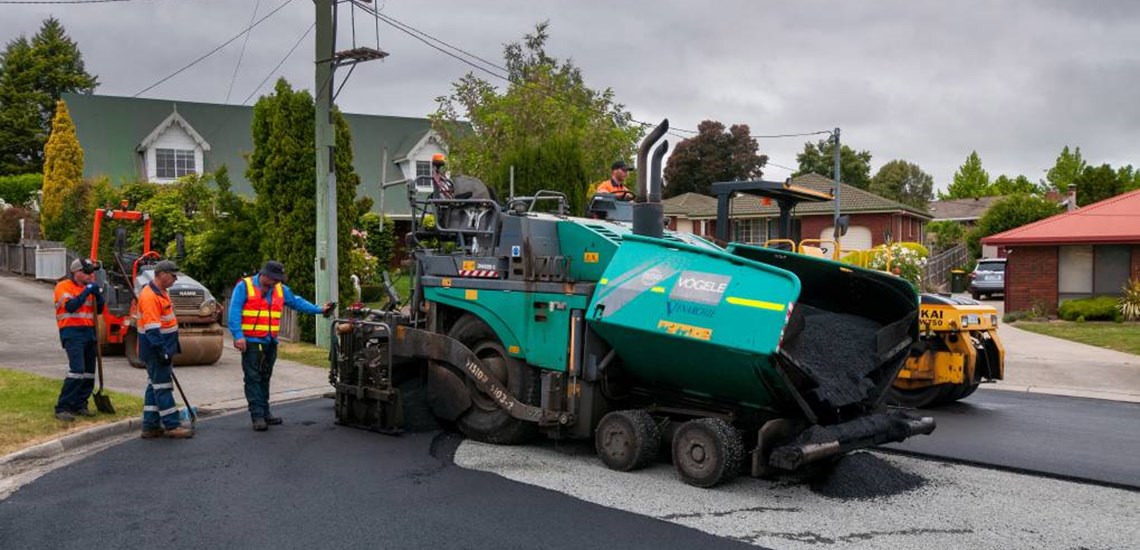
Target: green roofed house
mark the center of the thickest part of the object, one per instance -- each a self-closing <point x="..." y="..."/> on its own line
<point x="158" y="140"/>
<point x="874" y="221"/>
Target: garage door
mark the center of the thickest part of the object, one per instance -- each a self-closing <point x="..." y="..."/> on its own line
<point x="857" y="237"/>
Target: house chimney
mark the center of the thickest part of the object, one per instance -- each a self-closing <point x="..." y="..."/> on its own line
<point x="1072" y="202"/>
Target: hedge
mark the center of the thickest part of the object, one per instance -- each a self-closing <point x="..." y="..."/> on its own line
<point x="1099" y="308"/>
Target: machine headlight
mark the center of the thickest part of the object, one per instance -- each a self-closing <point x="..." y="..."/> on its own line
<point x="994" y="320"/>
<point x="208" y="308"/>
<point x="970" y="319"/>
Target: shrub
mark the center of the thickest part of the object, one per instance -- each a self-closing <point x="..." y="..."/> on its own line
<point x="10" y="223"/>
<point x="1129" y="305"/>
<point x="371" y="293"/>
<point x="1099" y="308"/>
<point x="20" y="190"/>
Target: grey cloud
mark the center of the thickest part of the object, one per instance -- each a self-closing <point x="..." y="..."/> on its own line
<point x="925" y="82"/>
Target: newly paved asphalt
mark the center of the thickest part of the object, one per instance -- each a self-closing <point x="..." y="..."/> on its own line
<point x="1072" y="437"/>
<point x="309" y="484"/>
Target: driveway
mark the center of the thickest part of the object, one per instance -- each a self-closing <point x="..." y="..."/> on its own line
<point x="1039" y="363"/>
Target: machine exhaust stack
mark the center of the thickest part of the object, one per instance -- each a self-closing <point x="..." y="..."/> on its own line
<point x="648" y="217"/>
<point x="655" y="184"/>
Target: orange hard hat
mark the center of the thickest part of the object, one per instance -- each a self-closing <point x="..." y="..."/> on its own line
<point x="438" y="159"/>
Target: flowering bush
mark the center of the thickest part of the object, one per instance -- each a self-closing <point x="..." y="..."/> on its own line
<point x="907" y="260"/>
<point x="364" y="264"/>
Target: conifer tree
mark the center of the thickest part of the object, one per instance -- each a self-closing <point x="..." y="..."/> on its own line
<point x="282" y="170"/>
<point x="63" y="172"/>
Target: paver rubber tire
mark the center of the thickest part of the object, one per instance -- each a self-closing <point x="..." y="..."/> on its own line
<point x="627" y="440"/>
<point x="707" y="452"/>
<point x="484" y="420"/>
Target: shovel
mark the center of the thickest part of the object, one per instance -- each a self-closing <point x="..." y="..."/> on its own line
<point x="186" y="402"/>
<point x="102" y="401"/>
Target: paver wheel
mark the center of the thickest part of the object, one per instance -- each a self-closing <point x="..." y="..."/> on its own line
<point x="484" y="420"/>
<point x="627" y="440"/>
<point x="707" y="452"/>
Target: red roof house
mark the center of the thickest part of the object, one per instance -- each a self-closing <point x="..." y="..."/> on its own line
<point x="1087" y="252"/>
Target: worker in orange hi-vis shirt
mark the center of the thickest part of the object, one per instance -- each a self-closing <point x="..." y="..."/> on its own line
<point x="158" y="343"/>
<point x="78" y="299"/>
<point x="619" y="171"/>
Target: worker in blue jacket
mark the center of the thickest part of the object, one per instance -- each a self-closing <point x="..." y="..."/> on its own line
<point x="254" y="321"/>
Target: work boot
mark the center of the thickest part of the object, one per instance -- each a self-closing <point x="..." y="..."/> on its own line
<point x="151" y="433"/>
<point x="84" y="412"/>
<point x="273" y="420"/>
<point x="180" y="433"/>
<point x="260" y="425"/>
<point x="65" y="416"/>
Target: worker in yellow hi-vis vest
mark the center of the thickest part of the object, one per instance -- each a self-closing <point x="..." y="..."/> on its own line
<point x="254" y="321"/>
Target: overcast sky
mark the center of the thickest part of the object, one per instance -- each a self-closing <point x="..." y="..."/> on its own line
<point x="922" y="81"/>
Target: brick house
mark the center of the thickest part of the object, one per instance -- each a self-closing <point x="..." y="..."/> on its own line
<point x="875" y="220"/>
<point x="1087" y="252"/>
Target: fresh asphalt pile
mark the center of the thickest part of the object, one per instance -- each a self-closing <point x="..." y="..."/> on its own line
<point x="865" y="476"/>
<point x="841" y="366"/>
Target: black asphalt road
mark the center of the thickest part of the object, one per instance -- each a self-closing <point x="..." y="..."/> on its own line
<point x="309" y="484"/>
<point x="1072" y="437"/>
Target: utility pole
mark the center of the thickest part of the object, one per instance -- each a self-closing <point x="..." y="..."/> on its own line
<point x="327" y="60"/>
<point x="325" y="268"/>
<point x="835" y="220"/>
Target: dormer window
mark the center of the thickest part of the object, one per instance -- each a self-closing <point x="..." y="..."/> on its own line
<point x="174" y="163"/>
<point x="173" y="150"/>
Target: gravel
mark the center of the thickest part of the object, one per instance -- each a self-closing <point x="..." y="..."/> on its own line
<point x="933" y="505"/>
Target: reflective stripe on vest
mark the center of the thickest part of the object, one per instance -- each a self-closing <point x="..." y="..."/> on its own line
<point x="259" y="317"/>
<point x="83" y="316"/>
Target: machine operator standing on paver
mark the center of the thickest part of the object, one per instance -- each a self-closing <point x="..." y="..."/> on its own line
<point x="75" y="316"/>
<point x="254" y="322"/>
<point x="158" y="343"/>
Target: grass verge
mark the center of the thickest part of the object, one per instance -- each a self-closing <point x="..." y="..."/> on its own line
<point x="27" y="410"/>
<point x="304" y="353"/>
<point x="1116" y="336"/>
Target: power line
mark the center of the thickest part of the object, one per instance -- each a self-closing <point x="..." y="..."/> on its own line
<point x="242" y="54"/>
<point x="213" y="51"/>
<point x="425" y="37"/>
<point x="41" y="2"/>
<point x="777" y="136"/>
<point x="279" y="63"/>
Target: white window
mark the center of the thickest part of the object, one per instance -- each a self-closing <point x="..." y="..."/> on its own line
<point x="173" y="163"/>
<point x="423" y="175"/>
<point x="749" y="231"/>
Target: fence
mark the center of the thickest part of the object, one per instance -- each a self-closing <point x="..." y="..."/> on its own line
<point x="938" y="267"/>
<point x="20" y="258"/>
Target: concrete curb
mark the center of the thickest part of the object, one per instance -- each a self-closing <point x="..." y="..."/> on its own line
<point x="23" y="459"/>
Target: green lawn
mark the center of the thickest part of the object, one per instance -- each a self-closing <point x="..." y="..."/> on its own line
<point x="27" y="410"/>
<point x="1118" y="336"/>
<point x="304" y="353"/>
